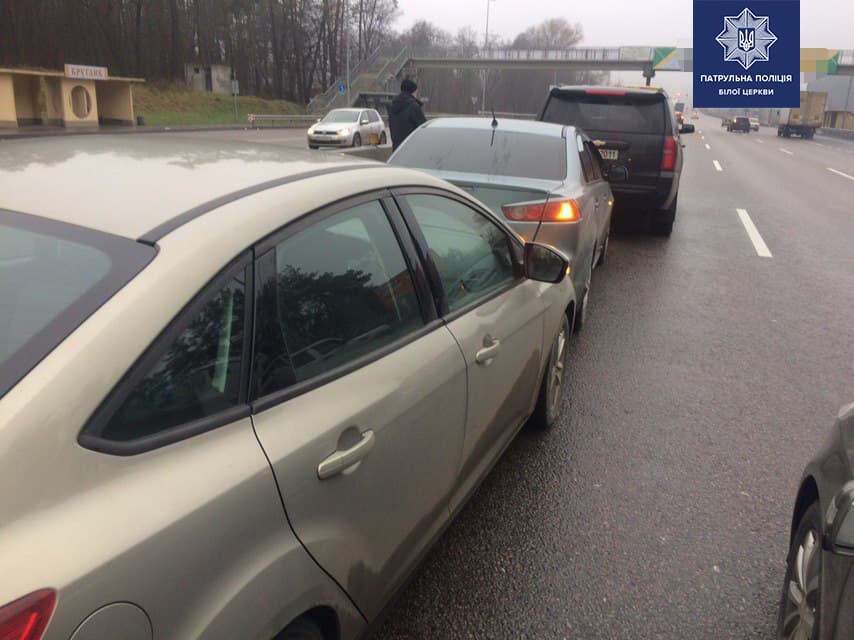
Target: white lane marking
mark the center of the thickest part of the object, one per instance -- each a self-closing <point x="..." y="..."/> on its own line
<point x="753" y="233"/>
<point x="839" y="173"/>
<point x="707" y="146"/>
<point x="820" y="144"/>
<point x="718" y="165"/>
<point x="786" y="151"/>
<point x="760" y="141"/>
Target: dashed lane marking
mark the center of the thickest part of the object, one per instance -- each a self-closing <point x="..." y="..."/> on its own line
<point x="762" y="249"/>
<point x="840" y="173"/>
<point x="718" y="165"/>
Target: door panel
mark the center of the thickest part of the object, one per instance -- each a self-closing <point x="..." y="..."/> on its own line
<point x="362" y="407"/>
<point x="501" y="391"/>
<point x="367" y="525"/>
<point x="496" y="317"/>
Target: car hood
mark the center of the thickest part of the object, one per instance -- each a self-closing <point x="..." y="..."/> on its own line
<point x="333" y="126"/>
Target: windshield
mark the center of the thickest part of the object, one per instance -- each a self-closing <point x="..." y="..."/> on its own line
<point x="615" y="113"/>
<point x="521" y="155"/>
<point x="338" y="117"/>
<point x="53" y="276"/>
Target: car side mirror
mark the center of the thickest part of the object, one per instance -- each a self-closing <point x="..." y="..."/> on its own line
<point x="544" y="264"/>
<point x="617" y="174"/>
<point x="686" y="128"/>
<point x="839" y="522"/>
<point x="365" y="121"/>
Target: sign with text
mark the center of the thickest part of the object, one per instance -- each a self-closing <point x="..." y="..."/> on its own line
<point x="747" y="53"/>
<point x="84" y="72"/>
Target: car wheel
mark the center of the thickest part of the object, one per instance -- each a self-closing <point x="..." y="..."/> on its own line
<point x="301" y="629"/>
<point x="357" y="140"/>
<point x="553" y="387"/>
<point x="603" y="255"/>
<point x="662" y="223"/>
<point x="383" y="138"/>
<point x="800" y="602"/>
<point x="581" y="312"/>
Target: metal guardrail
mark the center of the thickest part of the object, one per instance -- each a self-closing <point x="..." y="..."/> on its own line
<point x="257" y="121"/>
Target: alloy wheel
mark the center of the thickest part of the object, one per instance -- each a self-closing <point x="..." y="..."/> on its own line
<point x="557" y="370"/>
<point x="802" y="590"/>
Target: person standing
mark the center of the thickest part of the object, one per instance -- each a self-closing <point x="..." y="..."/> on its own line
<point x="404" y="113"/>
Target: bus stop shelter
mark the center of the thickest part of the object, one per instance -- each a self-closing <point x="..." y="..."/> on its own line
<point x="78" y="96"/>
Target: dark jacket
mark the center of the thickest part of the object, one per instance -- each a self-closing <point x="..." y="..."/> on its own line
<point x="404" y="117"/>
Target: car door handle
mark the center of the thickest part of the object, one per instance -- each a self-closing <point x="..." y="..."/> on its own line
<point x="342" y="460"/>
<point x="491" y="347"/>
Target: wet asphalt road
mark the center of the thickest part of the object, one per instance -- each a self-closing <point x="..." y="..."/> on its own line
<point x="706" y="378"/>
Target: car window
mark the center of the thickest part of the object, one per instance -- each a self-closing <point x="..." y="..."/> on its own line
<point x="197" y="375"/>
<point x="586" y="161"/>
<point x="330" y="294"/>
<point x="499" y="153"/>
<point x="52" y="277"/>
<point x="595" y="161"/>
<point x="608" y="113"/>
<point x="471" y="253"/>
<point x="373" y="116"/>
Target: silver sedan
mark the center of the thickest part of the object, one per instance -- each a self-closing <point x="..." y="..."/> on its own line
<point x="248" y="411"/>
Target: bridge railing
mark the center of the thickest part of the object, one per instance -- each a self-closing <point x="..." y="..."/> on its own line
<point x="599" y="54"/>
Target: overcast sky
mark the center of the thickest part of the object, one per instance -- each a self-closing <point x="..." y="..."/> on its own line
<point x="824" y="23"/>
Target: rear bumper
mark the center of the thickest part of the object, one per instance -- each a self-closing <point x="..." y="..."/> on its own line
<point x="647" y="197"/>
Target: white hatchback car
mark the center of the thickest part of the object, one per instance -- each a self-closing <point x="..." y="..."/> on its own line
<point x="347" y="128"/>
<point x="241" y="392"/>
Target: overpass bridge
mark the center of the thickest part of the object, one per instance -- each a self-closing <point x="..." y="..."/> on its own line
<point x="378" y="75"/>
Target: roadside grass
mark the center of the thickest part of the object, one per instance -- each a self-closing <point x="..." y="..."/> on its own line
<point x="172" y="105"/>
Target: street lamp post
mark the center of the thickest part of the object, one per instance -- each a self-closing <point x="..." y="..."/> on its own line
<point x="485" y="48"/>
<point x="347" y="47"/>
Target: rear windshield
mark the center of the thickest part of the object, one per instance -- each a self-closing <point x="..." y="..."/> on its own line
<point x="52" y="277"/>
<point x="625" y="114"/>
<point x="521" y="155"/>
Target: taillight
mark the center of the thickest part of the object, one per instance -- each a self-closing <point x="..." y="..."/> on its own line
<point x="668" y="156"/>
<point x="27" y="618"/>
<point x="565" y="210"/>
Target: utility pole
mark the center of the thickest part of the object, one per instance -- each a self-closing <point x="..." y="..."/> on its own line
<point x="347" y="46"/>
<point x="485" y="48"/>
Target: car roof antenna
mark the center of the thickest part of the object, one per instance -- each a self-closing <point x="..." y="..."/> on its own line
<point x="494" y="127"/>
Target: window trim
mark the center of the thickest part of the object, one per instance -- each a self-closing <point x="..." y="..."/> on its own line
<point x="90" y="436"/>
<point x="429" y="314"/>
<point x="436" y="285"/>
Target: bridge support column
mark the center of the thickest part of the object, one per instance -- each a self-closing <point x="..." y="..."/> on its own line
<point x="649" y="74"/>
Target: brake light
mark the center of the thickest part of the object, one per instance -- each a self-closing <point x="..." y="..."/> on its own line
<point x="565" y="210"/>
<point x="27" y="618"/>
<point x="668" y="155"/>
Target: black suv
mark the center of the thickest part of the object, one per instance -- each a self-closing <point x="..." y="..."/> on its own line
<point x="633" y="128"/>
<point x="741" y="123"/>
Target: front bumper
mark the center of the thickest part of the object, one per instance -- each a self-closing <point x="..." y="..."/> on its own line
<point x="329" y="140"/>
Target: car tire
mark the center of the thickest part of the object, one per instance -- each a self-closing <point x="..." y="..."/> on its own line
<point x="794" y="619"/>
<point x="603" y="254"/>
<point x="357" y="140"/>
<point x="550" y="401"/>
<point x="383" y="138"/>
<point x="583" y="304"/>
<point x="301" y="629"/>
<point x="662" y="222"/>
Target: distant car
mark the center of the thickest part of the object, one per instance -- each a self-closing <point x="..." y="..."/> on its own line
<point x="634" y="129"/>
<point x="754" y="124"/>
<point x="739" y="124"/>
<point x="817" y="601"/>
<point x="725" y="122"/>
<point x="546" y="180"/>
<point x="347" y="128"/>
<point x="248" y="411"/>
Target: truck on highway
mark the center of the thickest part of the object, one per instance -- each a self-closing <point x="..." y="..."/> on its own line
<point x="804" y="120"/>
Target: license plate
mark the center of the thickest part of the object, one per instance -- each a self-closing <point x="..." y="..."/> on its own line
<point x="609" y="154"/>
